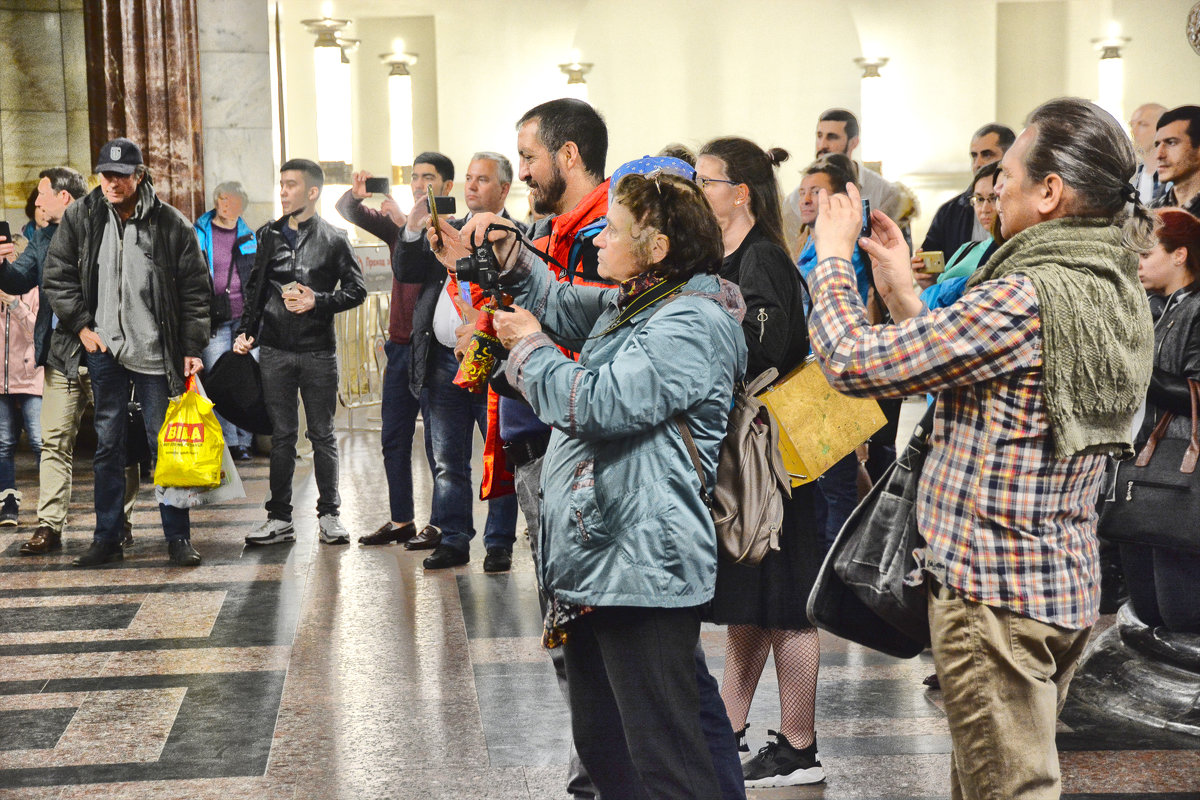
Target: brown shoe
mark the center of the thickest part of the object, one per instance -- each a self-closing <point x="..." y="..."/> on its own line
<point x="44" y="540"/>
<point x="388" y="533"/>
<point x="429" y="538"/>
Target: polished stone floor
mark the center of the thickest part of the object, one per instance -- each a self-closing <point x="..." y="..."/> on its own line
<point x="310" y="671"/>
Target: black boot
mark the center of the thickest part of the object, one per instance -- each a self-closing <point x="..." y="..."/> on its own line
<point x="100" y="552"/>
<point x="182" y="553"/>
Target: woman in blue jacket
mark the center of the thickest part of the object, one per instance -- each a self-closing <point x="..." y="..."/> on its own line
<point x="628" y="549"/>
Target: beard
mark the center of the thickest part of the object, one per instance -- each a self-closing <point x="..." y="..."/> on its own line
<point x="547" y="196"/>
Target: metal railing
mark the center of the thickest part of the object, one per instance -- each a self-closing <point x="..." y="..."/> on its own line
<point x="361" y="334"/>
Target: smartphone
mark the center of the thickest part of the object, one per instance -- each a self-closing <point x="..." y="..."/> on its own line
<point x="866" y="217"/>
<point x="439" y="205"/>
<point x="5" y="231"/>
<point x="378" y="186"/>
<point x="287" y="287"/>
<point x="933" y="262"/>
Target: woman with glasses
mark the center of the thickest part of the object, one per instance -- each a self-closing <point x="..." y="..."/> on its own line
<point x="763" y="605"/>
<point x="945" y="289"/>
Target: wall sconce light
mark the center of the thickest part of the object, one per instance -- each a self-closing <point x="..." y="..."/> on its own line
<point x="331" y="69"/>
<point x="1110" y="73"/>
<point x="575" y="69"/>
<point x="874" y="101"/>
<point x="400" y="111"/>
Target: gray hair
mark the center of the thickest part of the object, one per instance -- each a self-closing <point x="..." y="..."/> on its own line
<point x="230" y="187"/>
<point x="1086" y="147"/>
<point x="504" y="168"/>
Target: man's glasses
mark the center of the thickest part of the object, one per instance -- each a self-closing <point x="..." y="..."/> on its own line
<point x="978" y="200"/>
<point x="704" y="182"/>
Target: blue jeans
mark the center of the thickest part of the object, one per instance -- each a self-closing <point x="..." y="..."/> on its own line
<point x="110" y="397"/>
<point x="314" y="377"/>
<point x="836" y="497"/>
<point x="17" y="410"/>
<point x="399" y="413"/>
<point x="454" y="413"/>
<point x="220" y="344"/>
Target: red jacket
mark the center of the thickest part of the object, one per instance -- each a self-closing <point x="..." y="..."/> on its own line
<point x="560" y="243"/>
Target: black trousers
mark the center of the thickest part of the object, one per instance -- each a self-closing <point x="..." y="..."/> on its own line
<point x="635" y="708"/>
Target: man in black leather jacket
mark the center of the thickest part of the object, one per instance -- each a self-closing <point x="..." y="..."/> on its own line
<point x="132" y="293"/>
<point x="304" y="273"/>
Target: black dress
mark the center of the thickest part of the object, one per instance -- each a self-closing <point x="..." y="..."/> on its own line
<point x="774" y="593"/>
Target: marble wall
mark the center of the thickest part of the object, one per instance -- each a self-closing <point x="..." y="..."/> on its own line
<point x="43" y="96"/>
<point x="235" y="88"/>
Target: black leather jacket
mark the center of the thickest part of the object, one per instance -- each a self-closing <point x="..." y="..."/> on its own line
<point x="323" y="261"/>
<point x="182" y="289"/>
<point x="1176" y="358"/>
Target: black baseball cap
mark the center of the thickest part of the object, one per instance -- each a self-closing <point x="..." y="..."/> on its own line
<point x="120" y="156"/>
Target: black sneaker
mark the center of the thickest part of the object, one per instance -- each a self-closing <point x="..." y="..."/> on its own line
<point x="497" y="560"/>
<point x="742" y="748"/>
<point x="9" y="509"/>
<point x="780" y="764"/>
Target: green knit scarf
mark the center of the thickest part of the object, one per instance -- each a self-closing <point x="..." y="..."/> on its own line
<point x="1097" y="335"/>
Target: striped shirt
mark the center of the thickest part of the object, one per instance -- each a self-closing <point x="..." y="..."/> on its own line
<point x="1007" y="524"/>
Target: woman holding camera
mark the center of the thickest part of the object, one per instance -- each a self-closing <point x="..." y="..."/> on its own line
<point x="763" y="605"/>
<point x="628" y="551"/>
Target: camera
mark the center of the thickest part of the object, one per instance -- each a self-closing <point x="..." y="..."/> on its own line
<point x="480" y="268"/>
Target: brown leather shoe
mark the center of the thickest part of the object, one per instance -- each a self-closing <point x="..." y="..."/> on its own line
<point x="429" y="538"/>
<point x="44" y="540"/>
<point x="388" y="533"/>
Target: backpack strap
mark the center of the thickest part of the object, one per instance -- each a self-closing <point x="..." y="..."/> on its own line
<point x="690" y="443"/>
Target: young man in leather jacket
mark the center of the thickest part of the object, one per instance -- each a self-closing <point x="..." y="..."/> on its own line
<point x="304" y="273"/>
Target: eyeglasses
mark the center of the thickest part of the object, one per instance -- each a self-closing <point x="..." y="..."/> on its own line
<point x="704" y="182"/>
<point x="978" y="199"/>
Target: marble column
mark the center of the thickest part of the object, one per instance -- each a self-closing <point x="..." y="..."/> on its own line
<point x="144" y="83"/>
<point x="235" y="82"/>
<point x="43" y="96"/>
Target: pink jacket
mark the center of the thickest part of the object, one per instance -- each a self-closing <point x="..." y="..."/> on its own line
<point x="20" y="374"/>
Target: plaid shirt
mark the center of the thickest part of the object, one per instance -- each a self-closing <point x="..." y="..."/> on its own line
<point x="1007" y="524"/>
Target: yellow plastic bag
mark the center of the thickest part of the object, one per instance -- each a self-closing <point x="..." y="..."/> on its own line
<point x="190" y="444"/>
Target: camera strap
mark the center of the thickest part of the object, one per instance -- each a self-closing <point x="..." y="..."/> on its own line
<point x="657" y="292"/>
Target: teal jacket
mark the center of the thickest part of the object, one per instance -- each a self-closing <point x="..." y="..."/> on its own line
<point x="622" y="522"/>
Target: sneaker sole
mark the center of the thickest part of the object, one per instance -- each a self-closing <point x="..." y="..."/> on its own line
<point x="799" y="777"/>
<point x="337" y="540"/>
<point x="4" y="522"/>
<point x="281" y="537"/>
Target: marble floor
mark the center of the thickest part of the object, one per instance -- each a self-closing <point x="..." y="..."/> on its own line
<point x="309" y="671"/>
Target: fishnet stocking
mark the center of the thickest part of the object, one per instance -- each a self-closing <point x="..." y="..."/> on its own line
<point x="797" y="660"/>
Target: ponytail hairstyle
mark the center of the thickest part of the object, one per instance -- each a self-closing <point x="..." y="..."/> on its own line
<point x="1086" y="147"/>
<point x="1177" y="228"/>
<point x="745" y="162"/>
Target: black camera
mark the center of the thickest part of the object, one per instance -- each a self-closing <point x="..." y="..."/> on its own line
<point x="480" y="268"/>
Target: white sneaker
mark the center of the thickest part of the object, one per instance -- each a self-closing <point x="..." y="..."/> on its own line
<point x="271" y="532"/>
<point x="331" y="530"/>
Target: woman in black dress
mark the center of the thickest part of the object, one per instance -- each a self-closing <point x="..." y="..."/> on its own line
<point x="764" y="605"/>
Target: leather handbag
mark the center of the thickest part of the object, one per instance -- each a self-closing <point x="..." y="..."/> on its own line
<point x="862" y="592"/>
<point x="818" y="425"/>
<point x="1156" y="498"/>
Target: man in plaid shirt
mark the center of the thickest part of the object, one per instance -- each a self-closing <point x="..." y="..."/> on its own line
<point x="1030" y="402"/>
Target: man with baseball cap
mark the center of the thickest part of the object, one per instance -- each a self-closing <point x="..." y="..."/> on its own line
<point x="132" y="292"/>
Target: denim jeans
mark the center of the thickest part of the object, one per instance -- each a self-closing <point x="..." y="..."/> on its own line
<point x="454" y="413"/>
<point x="399" y="412"/>
<point x="17" y="410"/>
<point x="110" y="396"/>
<point x="220" y="344"/>
<point x="314" y="377"/>
<point x="836" y="497"/>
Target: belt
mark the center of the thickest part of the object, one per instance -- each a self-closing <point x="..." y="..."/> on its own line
<point x="530" y="448"/>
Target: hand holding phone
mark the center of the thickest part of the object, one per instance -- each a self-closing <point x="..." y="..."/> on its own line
<point x="289" y="287"/>
<point x="377" y="186"/>
<point x="5" y="231"/>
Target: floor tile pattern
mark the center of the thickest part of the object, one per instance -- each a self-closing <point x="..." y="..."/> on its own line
<point x="308" y="671"/>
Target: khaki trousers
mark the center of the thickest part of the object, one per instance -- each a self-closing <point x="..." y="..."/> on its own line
<point x="63" y="404"/>
<point x="1004" y="679"/>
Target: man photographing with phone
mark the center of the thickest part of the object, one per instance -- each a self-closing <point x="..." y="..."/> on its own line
<point x="304" y="273"/>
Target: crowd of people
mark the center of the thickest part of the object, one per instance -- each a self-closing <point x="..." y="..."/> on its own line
<point x="1050" y="314"/>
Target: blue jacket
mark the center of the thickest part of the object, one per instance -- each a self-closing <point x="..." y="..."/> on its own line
<point x="246" y="244"/>
<point x="622" y="522"/>
<point x="807" y="260"/>
<point x="24" y="274"/>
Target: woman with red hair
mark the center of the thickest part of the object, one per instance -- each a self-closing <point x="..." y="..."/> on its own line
<point x="1162" y="582"/>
